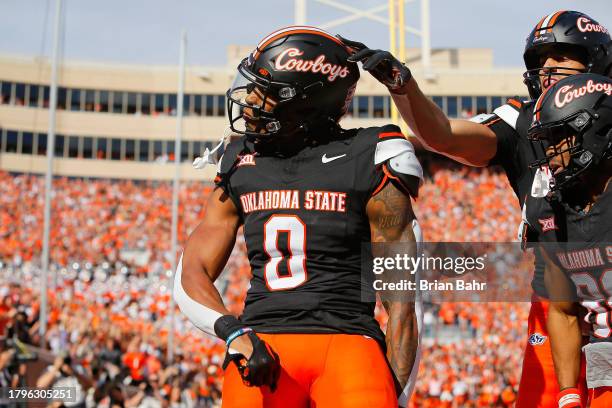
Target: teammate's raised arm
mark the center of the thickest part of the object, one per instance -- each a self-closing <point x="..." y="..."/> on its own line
<point x="467" y="142"/>
<point x="391" y="219"/>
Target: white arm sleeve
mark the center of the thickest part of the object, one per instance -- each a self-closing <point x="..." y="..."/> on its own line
<point x="201" y="316"/>
<point x="404" y="398"/>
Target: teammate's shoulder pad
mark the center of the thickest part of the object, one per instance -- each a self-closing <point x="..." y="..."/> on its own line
<point x="483" y="118"/>
<point x="510" y="111"/>
<point x="399" y="159"/>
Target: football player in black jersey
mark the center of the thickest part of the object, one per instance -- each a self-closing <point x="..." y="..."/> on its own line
<point x="308" y="195"/>
<point x="561" y="44"/>
<point x="571" y="216"/>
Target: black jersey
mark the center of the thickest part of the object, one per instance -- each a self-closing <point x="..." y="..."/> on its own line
<point x="515" y="152"/>
<point x="305" y="221"/>
<point x="580" y="243"/>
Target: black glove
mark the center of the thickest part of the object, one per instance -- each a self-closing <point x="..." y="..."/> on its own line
<point x="383" y="66"/>
<point x="262" y="368"/>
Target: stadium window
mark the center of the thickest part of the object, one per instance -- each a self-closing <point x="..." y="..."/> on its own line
<point x="73" y="146"/>
<point x="115" y="149"/>
<point x="117" y="102"/>
<point x="59" y="146"/>
<point x="88" y="148"/>
<point x="159" y="103"/>
<point x="481" y="104"/>
<point x="172" y="104"/>
<point x="41" y="144"/>
<point x="438" y="100"/>
<point x="195" y="150"/>
<point x="101" y="149"/>
<point x="467" y="107"/>
<point x="496" y="102"/>
<point x="362" y="106"/>
<point x="131" y="103"/>
<point x="103" y="101"/>
<point x="157" y="149"/>
<point x="145" y="103"/>
<point x="75" y="99"/>
<point x="11" y="141"/>
<point x="186" y="105"/>
<point x="184" y="151"/>
<point x="129" y="149"/>
<point x="33" y="96"/>
<point x="5" y="93"/>
<point x="90" y="100"/>
<point x="20" y="94"/>
<point x="61" y="97"/>
<point x="209" y="108"/>
<point x="143" y="155"/>
<point x="451" y="106"/>
<point x="169" y="149"/>
<point x="378" y="108"/>
<point x="46" y="93"/>
<point x="221" y="105"/>
<point x="27" y="141"/>
<point x="197" y="104"/>
<point x="2" y="140"/>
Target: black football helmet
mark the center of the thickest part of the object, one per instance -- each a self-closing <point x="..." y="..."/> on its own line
<point x="574" y="116"/>
<point x="569" y="31"/>
<point x="303" y="73"/>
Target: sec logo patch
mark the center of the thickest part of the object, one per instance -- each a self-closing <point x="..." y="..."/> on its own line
<point x="537" y="339"/>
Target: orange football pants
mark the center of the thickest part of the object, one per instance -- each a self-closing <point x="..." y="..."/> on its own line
<point x="600" y="397"/>
<point x="319" y="370"/>
<point x="538" y="387"/>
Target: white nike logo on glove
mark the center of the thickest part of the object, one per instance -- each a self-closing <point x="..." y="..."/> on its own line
<point x="326" y="159"/>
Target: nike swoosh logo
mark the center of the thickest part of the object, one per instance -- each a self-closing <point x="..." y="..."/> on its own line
<point x="326" y="159"/>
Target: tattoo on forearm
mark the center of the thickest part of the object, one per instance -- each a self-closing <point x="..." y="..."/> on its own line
<point x="401" y="339"/>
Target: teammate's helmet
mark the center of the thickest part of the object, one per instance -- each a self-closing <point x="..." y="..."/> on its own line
<point x="570" y="31"/>
<point x="574" y="116"/>
<point x="304" y="71"/>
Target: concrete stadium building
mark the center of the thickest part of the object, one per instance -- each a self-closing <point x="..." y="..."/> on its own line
<point x="119" y="121"/>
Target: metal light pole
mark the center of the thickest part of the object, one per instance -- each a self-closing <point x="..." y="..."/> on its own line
<point x="175" y="187"/>
<point x="49" y="174"/>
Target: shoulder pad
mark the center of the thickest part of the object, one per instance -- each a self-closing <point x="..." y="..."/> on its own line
<point x="509" y="112"/>
<point x="399" y="160"/>
<point x="483" y="118"/>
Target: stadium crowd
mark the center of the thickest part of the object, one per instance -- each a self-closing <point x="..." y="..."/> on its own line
<point x="108" y="316"/>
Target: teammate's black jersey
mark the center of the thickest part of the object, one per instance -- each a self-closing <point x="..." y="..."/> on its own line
<point x="580" y="243"/>
<point x="304" y="223"/>
<point x="515" y="152"/>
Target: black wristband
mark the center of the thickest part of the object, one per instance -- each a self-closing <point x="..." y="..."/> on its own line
<point x="226" y="325"/>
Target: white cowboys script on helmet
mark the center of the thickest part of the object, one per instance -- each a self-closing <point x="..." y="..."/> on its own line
<point x="326" y="159"/>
